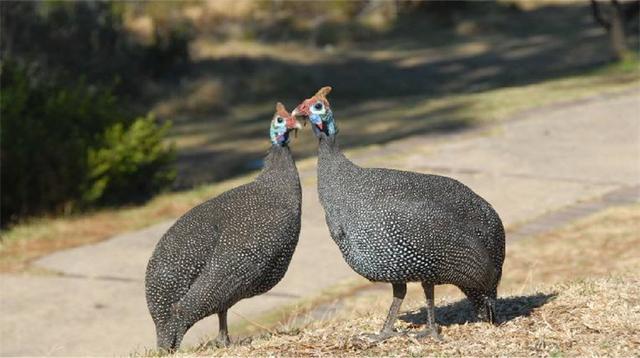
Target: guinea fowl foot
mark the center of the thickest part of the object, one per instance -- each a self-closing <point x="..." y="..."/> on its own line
<point x="379" y="337"/>
<point x="431" y="332"/>
<point x="222" y="342"/>
<point x="399" y="291"/>
<point x="219" y="342"/>
<point x="487" y="314"/>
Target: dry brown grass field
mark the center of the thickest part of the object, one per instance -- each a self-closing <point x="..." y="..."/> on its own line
<point x="571" y="292"/>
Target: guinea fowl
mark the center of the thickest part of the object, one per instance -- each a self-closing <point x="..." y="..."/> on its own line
<point x="398" y="227"/>
<point x="231" y="247"/>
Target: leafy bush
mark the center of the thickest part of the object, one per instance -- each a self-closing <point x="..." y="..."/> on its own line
<point x="131" y="164"/>
<point x="66" y="146"/>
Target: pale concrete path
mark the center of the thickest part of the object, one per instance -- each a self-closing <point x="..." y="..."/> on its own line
<point x="528" y="167"/>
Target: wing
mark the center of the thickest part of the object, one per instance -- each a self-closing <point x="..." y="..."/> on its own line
<point x="435" y="192"/>
<point x="175" y="265"/>
<point x="227" y="278"/>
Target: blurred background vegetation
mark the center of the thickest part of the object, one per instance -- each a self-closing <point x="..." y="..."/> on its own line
<point x="109" y="103"/>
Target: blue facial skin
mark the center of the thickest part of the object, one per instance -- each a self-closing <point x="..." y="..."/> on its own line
<point x="279" y="134"/>
<point x="328" y="125"/>
<point x="315" y="118"/>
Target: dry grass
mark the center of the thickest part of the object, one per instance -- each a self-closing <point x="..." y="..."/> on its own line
<point x="606" y="243"/>
<point x="574" y="291"/>
<point x="584" y="318"/>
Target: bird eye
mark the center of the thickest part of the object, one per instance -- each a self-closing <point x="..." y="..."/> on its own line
<point x="318" y="106"/>
<point x="279" y="119"/>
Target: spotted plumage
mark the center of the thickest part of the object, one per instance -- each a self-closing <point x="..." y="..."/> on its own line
<point x="231" y="247"/>
<point x="398" y="227"/>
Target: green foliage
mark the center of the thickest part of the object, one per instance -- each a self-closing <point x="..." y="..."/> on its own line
<point x="67" y="141"/>
<point x="132" y="163"/>
<point x="60" y="150"/>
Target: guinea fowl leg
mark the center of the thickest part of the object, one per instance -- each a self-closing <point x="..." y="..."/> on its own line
<point x="483" y="303"/>
<point x="432" y="327"/>
<point x="223" y="334"/>
<point x="399" y="291"/>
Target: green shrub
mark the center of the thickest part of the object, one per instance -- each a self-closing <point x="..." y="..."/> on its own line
<point x="131" y="165"/>
<point x="62" y="146"/>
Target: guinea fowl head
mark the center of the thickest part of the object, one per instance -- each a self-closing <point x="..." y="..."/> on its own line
<point x="281" y="124"/>
<point x="318" y="111"/>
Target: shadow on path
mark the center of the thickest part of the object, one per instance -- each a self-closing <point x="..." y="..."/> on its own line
<point x="461" y="312"/>
<point x="380" y="86"/>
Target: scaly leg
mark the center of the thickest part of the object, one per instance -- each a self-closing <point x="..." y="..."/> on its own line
<point x="484" y="304"/>
<point x="432" y="328"/>
<point x="399" y="291"/>
<point x="223" y="334"/>
<point x="489" y="311"/>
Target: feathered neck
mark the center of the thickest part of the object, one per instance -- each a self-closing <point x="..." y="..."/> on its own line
<point x="335" y="172"/>
<point x="329" y="150"/>
<point x="328" y="144"/>
<point x="279" y="166"/>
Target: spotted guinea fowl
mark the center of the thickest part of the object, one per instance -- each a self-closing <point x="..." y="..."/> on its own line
<point x="398" y="227"/>
<point x="231" y="247"/>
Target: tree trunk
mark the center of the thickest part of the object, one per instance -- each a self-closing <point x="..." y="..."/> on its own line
<point x="614" y="25"/>
<point x="616" y="32"/>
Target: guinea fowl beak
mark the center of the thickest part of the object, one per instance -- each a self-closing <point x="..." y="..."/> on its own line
<point x="300" y="113"/>
<point x="293" y="124"/>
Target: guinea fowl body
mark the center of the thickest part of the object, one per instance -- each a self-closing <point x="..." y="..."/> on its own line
<point x="397" y="226"/>
<point x="232" y="247"/>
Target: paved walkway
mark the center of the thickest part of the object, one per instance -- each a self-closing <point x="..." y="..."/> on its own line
<point x="528" y="168"/>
